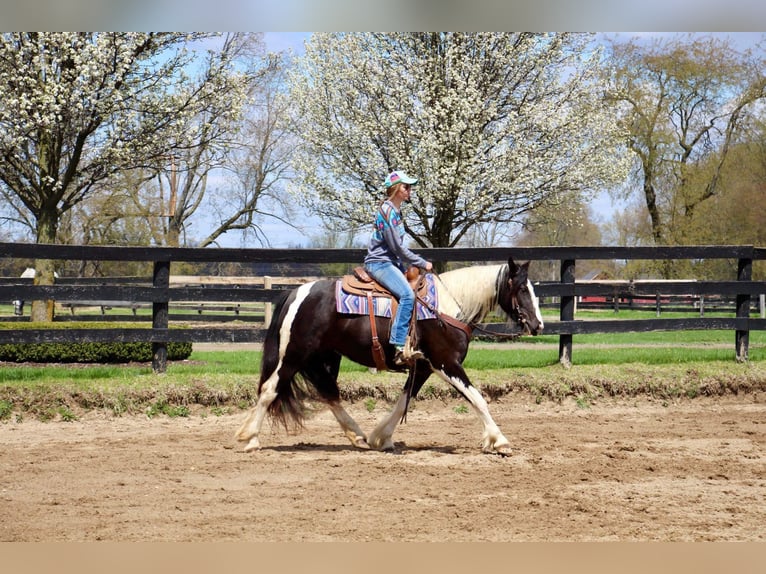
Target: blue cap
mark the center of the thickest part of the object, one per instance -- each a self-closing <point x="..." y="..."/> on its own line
<point x="399" y="177"/>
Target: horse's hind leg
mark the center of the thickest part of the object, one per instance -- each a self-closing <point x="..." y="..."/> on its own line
<point x="381" y="438"/>
<point x="349" y="426"/>
<point x="251" y="428"/>
<point x="322" y="370"/>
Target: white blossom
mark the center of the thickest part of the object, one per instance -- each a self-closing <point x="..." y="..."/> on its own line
<point x="76" y="108"/>
<point x="494" y="124"/>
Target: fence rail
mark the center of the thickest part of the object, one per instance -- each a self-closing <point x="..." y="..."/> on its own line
<point x="158" y="292"/>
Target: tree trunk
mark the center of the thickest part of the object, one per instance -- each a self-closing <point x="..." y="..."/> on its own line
<point x="654" y="212"/>
<point x="173" y="237"/>
<point x="47" y="224"/>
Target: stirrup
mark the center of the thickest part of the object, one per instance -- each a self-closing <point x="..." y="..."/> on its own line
<point x="399" y="359"/>
<point x="408" y="355"/>
<point x="412" y="354"/>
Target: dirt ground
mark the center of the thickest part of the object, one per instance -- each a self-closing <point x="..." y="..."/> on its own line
<point x="627" y="470"/>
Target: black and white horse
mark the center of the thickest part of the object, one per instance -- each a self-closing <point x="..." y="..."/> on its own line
<point x="308" y="336"/>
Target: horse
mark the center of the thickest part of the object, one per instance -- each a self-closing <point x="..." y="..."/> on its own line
<point x="307" y="337"/>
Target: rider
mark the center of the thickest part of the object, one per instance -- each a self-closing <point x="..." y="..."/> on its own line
<point x="387" y="259"/>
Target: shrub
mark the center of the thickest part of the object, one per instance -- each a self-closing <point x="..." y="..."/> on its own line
<point x="88" y="352"/>
<point x="79" y="352"/>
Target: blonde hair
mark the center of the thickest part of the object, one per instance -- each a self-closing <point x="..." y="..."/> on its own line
<point x="393" y="189"/>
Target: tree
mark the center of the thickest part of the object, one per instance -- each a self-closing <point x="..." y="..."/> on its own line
<point x="684" y="102"/>
<point x="77" y="108"/>
<point x="573" y="226"/>
<point x="260" y="162"/>
<point x="253" y="159"/>
<point x="494" y="125"/>
<point x="737" y="214"/>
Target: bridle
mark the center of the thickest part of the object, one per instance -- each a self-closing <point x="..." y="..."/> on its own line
<point x="521" y="317"/>
<point x="515" y="314"/>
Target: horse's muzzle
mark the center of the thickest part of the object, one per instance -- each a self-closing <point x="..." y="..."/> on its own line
<point x="532" y="329"/>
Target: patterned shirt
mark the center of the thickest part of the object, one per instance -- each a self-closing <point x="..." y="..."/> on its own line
<point x="387" y="240"/>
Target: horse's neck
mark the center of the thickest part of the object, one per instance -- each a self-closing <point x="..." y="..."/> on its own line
<point x="469" y="293"/>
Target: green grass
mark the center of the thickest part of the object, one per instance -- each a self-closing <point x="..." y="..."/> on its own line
<point x="654" y="348"/>
<point x="666" y="365"/>
<point x="53" y="373"/>
<point x="487" y="359"/>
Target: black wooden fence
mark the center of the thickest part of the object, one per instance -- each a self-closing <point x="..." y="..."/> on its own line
<point x="157" y="291"/>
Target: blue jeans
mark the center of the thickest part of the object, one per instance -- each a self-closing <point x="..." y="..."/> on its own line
<point x="392" y="278"/>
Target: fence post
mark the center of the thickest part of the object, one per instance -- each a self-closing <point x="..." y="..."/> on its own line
<point x="742" y="338"/>
<point x="161" y="279"/>
<point x="267" y="307"/>
<point x="567" y="312"/>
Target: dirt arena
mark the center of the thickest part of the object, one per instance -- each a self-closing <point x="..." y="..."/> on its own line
<point x="628" y="470"/>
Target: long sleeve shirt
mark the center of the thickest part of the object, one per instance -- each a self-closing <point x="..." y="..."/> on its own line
<point x="387" y="240"/>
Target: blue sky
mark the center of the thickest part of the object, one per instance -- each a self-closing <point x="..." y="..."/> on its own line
<point x="279" y="41"/>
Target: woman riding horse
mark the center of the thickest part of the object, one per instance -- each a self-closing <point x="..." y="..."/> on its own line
<point x="308" y="336"/>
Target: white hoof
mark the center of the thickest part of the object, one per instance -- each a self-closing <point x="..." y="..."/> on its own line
<point x="360" y="442"/>
<point x="503" y="449"/>
<point x="254" y="444"/>
<point x="379" y="443"/>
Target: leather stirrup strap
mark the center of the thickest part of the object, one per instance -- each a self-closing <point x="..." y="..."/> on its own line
<point x="412" y="330"/>
<point x="377" y="349"/>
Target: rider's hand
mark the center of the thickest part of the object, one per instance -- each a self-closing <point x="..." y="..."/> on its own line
<point x="429" y="266"/>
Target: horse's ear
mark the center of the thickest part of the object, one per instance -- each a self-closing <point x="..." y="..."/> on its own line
<point x="517" y="273"/>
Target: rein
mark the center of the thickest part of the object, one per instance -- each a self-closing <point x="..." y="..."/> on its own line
<point x="469" y="328"/>
<point x="510" y="336"/>
<point x="521" y="321"/>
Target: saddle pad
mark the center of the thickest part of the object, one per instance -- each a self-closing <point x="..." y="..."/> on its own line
<point x="352" y="304"/>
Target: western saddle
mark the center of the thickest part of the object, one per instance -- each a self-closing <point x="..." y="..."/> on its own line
<point x="360" y="283"/>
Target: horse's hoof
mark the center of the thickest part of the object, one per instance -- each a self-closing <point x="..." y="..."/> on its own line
<point x="501" y="449"/>
<point x="504" y="451"/>
<point x="254" y="444"/>
<point x="360" y="442"/>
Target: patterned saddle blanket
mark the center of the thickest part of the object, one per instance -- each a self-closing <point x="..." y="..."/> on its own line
<point x="355" y="304"/>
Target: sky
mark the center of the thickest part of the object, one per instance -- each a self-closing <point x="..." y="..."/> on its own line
<point x="285" y="23"/>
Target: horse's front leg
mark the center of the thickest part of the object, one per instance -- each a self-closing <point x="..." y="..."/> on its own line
<point x="381" y="438"/>
<point x="493" y="440"/>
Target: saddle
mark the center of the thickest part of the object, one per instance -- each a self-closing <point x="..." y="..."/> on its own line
<point x="360" y="283"/>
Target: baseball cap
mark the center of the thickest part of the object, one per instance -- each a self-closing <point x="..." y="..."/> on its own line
<point x="399" y="177"/>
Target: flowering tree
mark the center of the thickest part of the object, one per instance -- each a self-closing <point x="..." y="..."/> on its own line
<point x="494" y="125"/>
<point x="76" y="108"/>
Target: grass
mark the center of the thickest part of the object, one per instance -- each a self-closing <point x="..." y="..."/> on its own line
<point x="665" y="365"/>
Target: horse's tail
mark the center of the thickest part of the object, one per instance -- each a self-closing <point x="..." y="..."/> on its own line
<point x="270" y="356"/>
<point x="288" y="407"/>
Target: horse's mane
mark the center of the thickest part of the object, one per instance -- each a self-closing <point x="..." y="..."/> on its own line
<point x="474" y="289"/>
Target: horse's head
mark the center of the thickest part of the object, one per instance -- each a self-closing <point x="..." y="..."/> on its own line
<point x="518" y="299"/>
